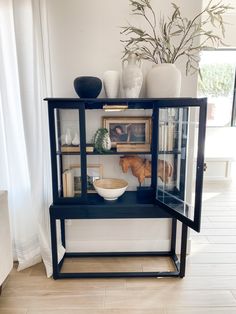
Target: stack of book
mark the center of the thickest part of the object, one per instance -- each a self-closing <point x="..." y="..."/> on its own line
<point x="133" y="147"/>
<point x="76" y="149"/>
<point x="166" y="136"/>
<point x="67" y="182"/>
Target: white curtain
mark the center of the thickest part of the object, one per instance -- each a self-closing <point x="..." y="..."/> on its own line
<point x="24" y="145"/>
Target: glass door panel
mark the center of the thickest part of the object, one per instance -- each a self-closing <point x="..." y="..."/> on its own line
<point x="180" y="163"/>
<point x="67" y="132"/>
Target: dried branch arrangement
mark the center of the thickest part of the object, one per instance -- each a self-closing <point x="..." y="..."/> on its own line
<point x="171" y="38"/>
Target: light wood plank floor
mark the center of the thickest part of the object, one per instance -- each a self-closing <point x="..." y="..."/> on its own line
<point x="208" y="288"/>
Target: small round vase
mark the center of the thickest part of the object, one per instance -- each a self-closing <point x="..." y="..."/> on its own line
<point x="87" y="86"/>
<point x="163" y="81"/>
<point x="111" y="82"/>
<point x="132" y="76"/>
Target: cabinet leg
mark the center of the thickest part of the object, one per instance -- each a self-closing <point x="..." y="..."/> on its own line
<point x="63" y="238"/>
<point x="173" y="236"/>
<point x="183" y="250"/>
<point x="55" y="266"/>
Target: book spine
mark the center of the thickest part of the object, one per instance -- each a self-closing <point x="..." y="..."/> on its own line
<point x="161" y="137"/>
<point x="133" y="147"/>
<point x="64" y="184"/>
<point x="68" y="184"/>
<point x="170" y="141"/>
<point x="165" y="137"/>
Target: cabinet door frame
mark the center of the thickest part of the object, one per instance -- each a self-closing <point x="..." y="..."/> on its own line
<point x="57" y="105"/>
<point x="194" y="224"/>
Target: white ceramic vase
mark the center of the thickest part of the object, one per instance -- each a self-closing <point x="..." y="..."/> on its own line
<point x="68" y="138"/>
<point x="163" y="81"/>
<point x="132" y="76"/>
<point x="111" y="83"/>
<point x="75" y="140"/>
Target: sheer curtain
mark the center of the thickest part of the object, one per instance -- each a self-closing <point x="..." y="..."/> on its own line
<point x="24" y="145"/>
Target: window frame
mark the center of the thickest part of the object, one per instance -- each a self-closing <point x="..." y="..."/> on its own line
<point x="233" y="114"/>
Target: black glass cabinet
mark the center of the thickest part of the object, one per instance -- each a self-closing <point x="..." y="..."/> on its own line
<point x="173" y="134"/>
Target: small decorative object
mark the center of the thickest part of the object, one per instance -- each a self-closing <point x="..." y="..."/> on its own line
<point x="129" y="130"/>
<point x="102" y="141"/>
<point x="72" y="179"/>
<point x="171" y="39"/>
<point x="132" y="76"/>
<point x="75" y="140"/>
<point x="87" y="86"/>
<point x="110" y="189"/>
<point x="111" y="82"/>
<point x="141" y="168"/>
<point x="68" y="138"/>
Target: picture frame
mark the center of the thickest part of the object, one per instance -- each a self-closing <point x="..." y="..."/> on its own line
<point x="128" y="130"/>
<point x="72" y="179"/>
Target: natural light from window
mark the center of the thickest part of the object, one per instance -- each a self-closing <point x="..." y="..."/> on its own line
<point x="217" y="84"/>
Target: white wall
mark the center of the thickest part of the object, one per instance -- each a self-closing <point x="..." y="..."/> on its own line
<point x="220" y="140"/>
<point x="85" y="40"/>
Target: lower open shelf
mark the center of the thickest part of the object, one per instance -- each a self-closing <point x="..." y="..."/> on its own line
<point x="61" y="213"/>
<point x="118" y="264"/>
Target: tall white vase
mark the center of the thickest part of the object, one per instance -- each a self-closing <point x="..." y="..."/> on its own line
<point x="132" y="77"/>
<point x="111" y="83"/>
<point x="163" y="81"/>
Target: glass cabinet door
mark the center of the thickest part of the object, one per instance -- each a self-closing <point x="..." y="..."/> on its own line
<point x="66" y="146"/>
<point x="180" y="147"/>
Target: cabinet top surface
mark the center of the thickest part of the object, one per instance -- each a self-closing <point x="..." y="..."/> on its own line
<point x="131" y="103"/>
<point x="112" y="100"/>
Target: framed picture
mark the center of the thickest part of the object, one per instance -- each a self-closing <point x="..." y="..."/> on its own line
<point x="72" y="179"/>
<point x="130" y="130"/>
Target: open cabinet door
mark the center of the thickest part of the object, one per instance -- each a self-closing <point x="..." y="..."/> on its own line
<point x="180" y="136"/>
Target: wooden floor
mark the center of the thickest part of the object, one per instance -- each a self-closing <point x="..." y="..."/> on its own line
<point x="208" y="288"/>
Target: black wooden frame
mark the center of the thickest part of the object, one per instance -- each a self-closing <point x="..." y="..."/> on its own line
<point x="131" y="204"/>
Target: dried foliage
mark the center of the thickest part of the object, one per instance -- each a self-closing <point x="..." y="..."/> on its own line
<point x="175" y="36"/>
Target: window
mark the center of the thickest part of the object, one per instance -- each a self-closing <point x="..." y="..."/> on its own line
<point x="217" y="83"/>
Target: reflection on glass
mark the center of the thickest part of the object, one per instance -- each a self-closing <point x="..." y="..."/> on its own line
<point x="68" y="130"/>
<point x="174" y="202"/>
<point x="68" y="149"/>
<point x="178" y="132"/>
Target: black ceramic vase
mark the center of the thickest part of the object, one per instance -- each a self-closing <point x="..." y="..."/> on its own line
<point x="87" y="86"/>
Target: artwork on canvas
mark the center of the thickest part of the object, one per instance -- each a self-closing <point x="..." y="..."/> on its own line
<point x="129" y="130"/>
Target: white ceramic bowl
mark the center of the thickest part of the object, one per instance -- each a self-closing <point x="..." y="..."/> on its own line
<point x="110" y="189"/>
